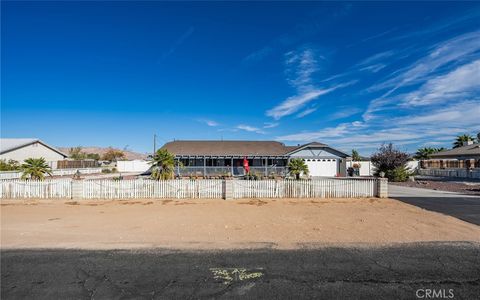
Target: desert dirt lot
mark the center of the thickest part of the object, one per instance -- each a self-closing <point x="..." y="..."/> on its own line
<point x="220" y="224"/>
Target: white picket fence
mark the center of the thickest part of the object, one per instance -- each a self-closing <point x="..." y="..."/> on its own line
<point x="137" y="189"/>
<point x="457" y="173"/>
<point x="183" y="189"/>
<point x="317" y="188"/>
<point x="51" y="188"/>
<point x="57" y="172"/>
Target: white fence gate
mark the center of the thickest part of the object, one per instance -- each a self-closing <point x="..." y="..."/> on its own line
<point x="182" y="189"/>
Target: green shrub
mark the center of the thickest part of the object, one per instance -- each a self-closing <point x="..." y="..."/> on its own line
<point x="10" y="165"/>
<point x="399" y="174"/>
<point x="106" y="171"/>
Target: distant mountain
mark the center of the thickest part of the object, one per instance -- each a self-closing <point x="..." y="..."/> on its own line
<point x="130" y="155"/>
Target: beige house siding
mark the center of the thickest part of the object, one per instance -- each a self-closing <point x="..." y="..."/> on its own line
<point x="35" y="150"/>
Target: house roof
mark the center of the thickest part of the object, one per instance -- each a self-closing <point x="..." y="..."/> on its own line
<point x="7" y="145"/>
<point x="233" y="148"/>
<point x="468" y="150"/>
<point x="317" y="144"/>
<point x="230" y="148"/>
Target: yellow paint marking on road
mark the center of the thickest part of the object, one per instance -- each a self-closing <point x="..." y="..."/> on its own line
<point x="228" y="275"/>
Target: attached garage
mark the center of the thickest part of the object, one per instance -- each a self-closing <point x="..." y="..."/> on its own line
<point x="322" y="160"/>
<point x="323" y="167"/>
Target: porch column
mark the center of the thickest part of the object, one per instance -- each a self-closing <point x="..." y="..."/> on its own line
<point x="266" y="166"/>
<point x="231" y="165"/>
<point x="204" y="167"/>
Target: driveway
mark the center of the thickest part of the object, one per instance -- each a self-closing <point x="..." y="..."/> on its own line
<point x="464" y="207"/>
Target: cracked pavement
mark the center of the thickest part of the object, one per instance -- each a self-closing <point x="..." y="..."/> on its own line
<point x="326" y="273"/>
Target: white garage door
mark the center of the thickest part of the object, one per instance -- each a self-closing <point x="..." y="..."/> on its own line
<point x="322" y="167"/>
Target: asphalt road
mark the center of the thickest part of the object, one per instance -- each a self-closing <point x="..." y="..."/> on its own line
<point x="464" y="207"/>
<point x="400" y="272"/>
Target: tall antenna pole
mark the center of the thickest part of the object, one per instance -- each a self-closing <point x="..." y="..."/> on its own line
<point x="154" y="144"/>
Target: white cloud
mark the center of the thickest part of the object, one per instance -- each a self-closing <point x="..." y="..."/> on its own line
<point x="270" y="125"/>
<point x="250" y="128"/>
<point x="450" y="51"/>
<point x="345" y="113"/>
<point x="295" y="103"/>
<point x="465" y="114"/>
<point x="306" y="112"/>
<point x="258" y="55"/>
<point x="178" y="42"/>
<point x="458" y="83"/>
<point x="462" y="82"/>
<point x="210" y="123"/>
<point x="376" y="58"/>
<point x="373" y="68"/>
<point x="301" y="66"/>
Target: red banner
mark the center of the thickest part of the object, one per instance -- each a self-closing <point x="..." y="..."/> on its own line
<point x="245" y="165"/>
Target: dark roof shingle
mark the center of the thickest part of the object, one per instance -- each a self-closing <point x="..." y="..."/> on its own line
<point x="229" y="148"/>
<point x="468" y="150"/>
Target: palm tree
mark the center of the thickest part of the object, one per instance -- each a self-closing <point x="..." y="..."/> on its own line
<point x="35" y="168"/>
<point x="425" y="152"/>
<point x="163" y="163"/>
<point x="297" y="166"/>
<point x="355" y="155"/>
<point x="461" y="139"/>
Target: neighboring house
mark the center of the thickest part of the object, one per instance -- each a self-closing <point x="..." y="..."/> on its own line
<point x="209" y="158"/>
<point x="21" y="149"/>
<point x="467" y="156"/>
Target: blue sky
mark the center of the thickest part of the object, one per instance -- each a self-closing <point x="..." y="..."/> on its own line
<point x="353" y="75"/>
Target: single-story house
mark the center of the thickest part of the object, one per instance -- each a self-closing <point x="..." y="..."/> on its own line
<point x="208" y="158"/>
<point x="21" y="149"/>
<point x="467" y="156"/>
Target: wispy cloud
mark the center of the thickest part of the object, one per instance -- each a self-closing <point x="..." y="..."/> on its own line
<point x="450" y="51"/>
<point x="258" y="55"/>
<point x="300" y="67"/>
<point x="306" y="112"/>
<point x="345" y="113"/>
<point x="250" y="128"/>
<point x="449" y="70"/>
<point x="270" y="125"/>
<point x="460" y="83"/>
<point x="465" y="114"/>
<point x="178" y="42"/>
<point x="295" y="103"/>
<point x="210" y="123"/>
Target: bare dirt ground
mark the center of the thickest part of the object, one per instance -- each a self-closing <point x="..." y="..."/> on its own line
<point x="443" y="184"/>
<point x="220" y="224"/>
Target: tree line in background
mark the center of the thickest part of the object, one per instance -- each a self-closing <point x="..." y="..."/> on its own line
<point x="77" y="153"/>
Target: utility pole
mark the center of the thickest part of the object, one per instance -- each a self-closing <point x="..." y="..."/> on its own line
<point x="154" y="143"/>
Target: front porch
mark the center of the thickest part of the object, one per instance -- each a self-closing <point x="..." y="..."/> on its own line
<point x="210" y="166"/>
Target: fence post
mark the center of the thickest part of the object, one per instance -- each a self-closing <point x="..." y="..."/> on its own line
<point x="382" y="188"/>
<point x="77" y="189"/>
<point x="227" y="189"/>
